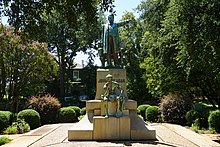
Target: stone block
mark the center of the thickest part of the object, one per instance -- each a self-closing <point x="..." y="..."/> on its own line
<point x="131" y="104"/>
<point x="93" y="104"/>
<point x="125" y="112"/>
<point x="99" y="125"/>
<point x="111" y="128"/>
<point x="80" y="134"/>
<point x="97" y="112"/>
<point x="124" y="128"/>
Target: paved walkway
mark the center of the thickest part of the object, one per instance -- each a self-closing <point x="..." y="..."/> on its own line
<point x="55" y="135"/>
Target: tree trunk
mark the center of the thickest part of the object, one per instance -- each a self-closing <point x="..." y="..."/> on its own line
<point x="2" y="80"/>
<point x="62" y="75"/>
<point x="62" y="91"/>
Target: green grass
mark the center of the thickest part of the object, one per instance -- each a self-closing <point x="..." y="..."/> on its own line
<point x="4" y="140"/>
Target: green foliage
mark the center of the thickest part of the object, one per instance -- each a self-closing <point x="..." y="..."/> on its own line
<point x="152" y="113"/>
<point x="11" y="130"/>
<point x="204" y="112"/>
<point x="30" y="116"/>
<point x="67" y="114"/>
<point x="24" y="64"/>
<point x="191" y="116"/>
<point x="77" y="111"/>
<point x="31" y="13"/>
<point x="214" y="119"/>
<point x="10" y="116"/>
<point x="196" y="126"/>
<point x="4" y="140"/>
<point x="83" y="111"/>
<point x="142" y="109"/>
<point x="132" y="56"/>
<point x="173" y="108"/>
<point x="4" y="120"/>
<point x="47" y="106"/>
<point x="18" y="127"/>
<point x="181" y="39"/>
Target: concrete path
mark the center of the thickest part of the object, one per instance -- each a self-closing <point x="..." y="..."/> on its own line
<point x="55" y="135"/>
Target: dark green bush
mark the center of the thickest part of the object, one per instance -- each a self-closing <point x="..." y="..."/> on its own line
<point x="67" y="115"/>
<point x="47" y="106"/>
<point x="152" y="114"/>
<point x="77" y="110"/>
<point x="83" y="111"/>
<point x="214" y="120"/>
<point x="191" y="116"/>
<point x="30" y="116"/>
<point x="142" y="109"/>
<point x="10" y="116"/>
<point x="204" y="112"/>
<point x="173" y="108"/>
<point x="4" y="121"/>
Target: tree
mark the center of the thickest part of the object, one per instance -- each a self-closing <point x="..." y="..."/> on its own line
<point x="67" y="26"/>
<point x="132" y="57"/>
<point x="184" y="51"/>
<point x="25" y="65"/>
<point x="27" y="15"/>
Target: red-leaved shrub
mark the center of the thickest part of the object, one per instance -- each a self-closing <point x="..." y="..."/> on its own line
<point x="47" y="106"/>
<point x="173" y="108"/>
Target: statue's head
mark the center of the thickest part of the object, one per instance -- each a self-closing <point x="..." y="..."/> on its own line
<point x="109" y="77"/>
<point x="111" y="18"/>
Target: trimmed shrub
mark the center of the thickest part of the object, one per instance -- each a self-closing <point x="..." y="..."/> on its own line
<point x="47" y="106"/>
<point x="4" y="121"/>
<point x="30" y="116"/>
<point x="142" y="109"/>
<point x="191" y="116"/>
<point x="66" y="115"/>
<point x="10" y="116"/>
<point x="214" y="120"/>
<point x="77" y="111"/>
<point x="83" y="111"/>
<point x="204" y="112"/>
<point x="152" y="113"/>
<point x="173" y="108"/>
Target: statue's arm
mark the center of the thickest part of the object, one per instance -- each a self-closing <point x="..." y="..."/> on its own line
<point x="123" y="22"/>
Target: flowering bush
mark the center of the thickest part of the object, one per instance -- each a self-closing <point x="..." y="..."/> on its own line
<point x="47" y="106"/>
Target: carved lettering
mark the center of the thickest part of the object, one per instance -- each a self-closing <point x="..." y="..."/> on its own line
<point x="117" y="80"/>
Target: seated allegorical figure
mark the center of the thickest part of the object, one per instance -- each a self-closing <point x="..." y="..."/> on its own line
<point x="114" y="93"/>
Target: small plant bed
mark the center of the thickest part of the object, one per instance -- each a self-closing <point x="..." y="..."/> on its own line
<point x="4" y="140"/>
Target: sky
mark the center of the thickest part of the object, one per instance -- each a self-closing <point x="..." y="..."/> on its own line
<point x="121" y="6"/>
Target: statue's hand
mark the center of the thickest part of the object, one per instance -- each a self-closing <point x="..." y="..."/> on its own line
<point x="105" y="98"/>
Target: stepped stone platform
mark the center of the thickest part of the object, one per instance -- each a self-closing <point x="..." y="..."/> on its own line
<point x="95" y="126"/>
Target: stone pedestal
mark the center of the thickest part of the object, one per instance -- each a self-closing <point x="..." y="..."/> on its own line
<point x="95" y="126"/>
<point x="111" y="128"/>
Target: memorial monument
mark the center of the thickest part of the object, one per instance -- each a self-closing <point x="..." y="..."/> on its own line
<point x="111" y="115"/>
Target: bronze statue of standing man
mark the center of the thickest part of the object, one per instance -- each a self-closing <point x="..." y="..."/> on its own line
<point x="111" y="42"/>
